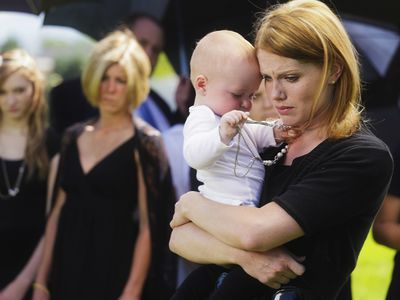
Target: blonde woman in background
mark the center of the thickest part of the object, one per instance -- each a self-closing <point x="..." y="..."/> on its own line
<point x="26" y="145"/>
<point x="107" y="235"/>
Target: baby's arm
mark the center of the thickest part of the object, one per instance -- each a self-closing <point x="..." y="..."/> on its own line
<point x="202" y="145"/>
<point x="230" y="121"/>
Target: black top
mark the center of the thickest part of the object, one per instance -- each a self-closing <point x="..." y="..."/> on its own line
<point x="23" y="217"/>
<point x="98" y="226"/>
<point x="333" y="193"/>
<point x="98" y="223"/>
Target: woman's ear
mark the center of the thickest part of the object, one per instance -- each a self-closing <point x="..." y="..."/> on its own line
<point x="200" y="84"/>
<point x="335" y="73"/>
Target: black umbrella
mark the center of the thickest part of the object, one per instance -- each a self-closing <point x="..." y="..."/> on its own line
<point x="25" y="6"/>
<point x="378" y="44"/>
<point x="386" y="11"/>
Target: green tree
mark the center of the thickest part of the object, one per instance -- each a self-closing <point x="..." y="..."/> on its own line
<point x="9" y="44"/>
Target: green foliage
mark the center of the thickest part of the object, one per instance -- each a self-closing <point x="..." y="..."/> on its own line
<point x="9" y="44"/>
<point x="69" y="56"/>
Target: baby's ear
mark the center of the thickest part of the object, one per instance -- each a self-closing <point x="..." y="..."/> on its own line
<point x="200" y="84"/>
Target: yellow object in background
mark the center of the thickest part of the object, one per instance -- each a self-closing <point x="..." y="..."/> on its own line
<point x="371" y="278"/>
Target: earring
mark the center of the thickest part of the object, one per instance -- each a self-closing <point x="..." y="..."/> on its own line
<point x="333" y="82"/>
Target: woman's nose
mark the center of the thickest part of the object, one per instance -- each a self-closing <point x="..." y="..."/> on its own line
<point x="111" y="86"/>
<point x="10" y="98"/>
<point x="277" y="92"/>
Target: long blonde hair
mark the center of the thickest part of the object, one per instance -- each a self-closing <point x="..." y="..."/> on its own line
<point x="309" y="31"/>
<point x="19" y="61"/>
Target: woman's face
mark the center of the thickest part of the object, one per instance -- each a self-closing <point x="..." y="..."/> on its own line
<point x="16" y="97"/>
<point x="291" y="86"/>
<point x="113" y="91"/>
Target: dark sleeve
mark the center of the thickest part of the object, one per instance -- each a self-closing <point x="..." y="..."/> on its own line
<point x="161" y="201"/>
<point x="351" y="180"/>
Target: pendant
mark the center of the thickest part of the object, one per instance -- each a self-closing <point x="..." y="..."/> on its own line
<point x="13" y="192"/>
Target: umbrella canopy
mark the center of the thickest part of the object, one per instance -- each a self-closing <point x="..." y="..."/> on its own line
<point x="376" y="42"/>
<point x="24" y="6"/>
<point x="386" y="11"/>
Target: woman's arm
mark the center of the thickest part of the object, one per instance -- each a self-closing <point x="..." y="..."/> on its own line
<point x="50" y="236"/>
<point x="272" y="268"/>
<point x="20" y="285"/>
<point x="18" y="288"/>
<point x="386" y="228"/>
<point x="243" y="227"/>
<point x="142" y="250"/>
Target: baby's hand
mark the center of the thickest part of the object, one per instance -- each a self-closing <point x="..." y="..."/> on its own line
<point x="229" y="124"/>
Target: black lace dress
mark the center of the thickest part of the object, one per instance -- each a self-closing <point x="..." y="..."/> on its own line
<point x="98" y="226"/>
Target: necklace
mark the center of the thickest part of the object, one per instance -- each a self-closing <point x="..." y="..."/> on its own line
<point x="270" y="123"/>
<point x="277" y="157"/>
<point x="274" y="123"/>
<point x="12" y="192"/>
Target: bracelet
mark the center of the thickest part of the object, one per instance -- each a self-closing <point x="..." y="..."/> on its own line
<point x="41" y="287"/>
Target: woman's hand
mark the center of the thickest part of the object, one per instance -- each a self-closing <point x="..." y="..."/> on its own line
<point x="272" y="268"/>
<point x="40" y="292"/>
<point x="180" y="217"/>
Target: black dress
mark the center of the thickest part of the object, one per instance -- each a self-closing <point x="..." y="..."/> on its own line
<point x="23" y="217"/>
<point x="98" y="226"/>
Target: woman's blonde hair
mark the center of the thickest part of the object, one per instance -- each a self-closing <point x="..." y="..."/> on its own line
<point x="19" y="61"/>
<point x="118" y="47"/>
<point x="309" y="31"/>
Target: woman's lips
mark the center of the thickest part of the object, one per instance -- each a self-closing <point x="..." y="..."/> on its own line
<point x="283" y="110"/>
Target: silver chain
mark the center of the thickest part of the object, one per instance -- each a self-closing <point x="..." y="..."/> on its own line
<point x="12" y="192"/>
<point x="270" y="123"/>
<point x="274" y="124"/>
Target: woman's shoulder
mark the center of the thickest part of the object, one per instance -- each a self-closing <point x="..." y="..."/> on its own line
<point x="363" y="145"/>
<point x="148" y="137"/>
<point x="146" y="129"/>
<point x="364" y="139"/>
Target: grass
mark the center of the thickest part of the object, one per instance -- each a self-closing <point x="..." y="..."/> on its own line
<point x="371" y="277"/>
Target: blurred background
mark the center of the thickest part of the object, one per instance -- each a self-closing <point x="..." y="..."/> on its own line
<point x="61" y="33"/>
